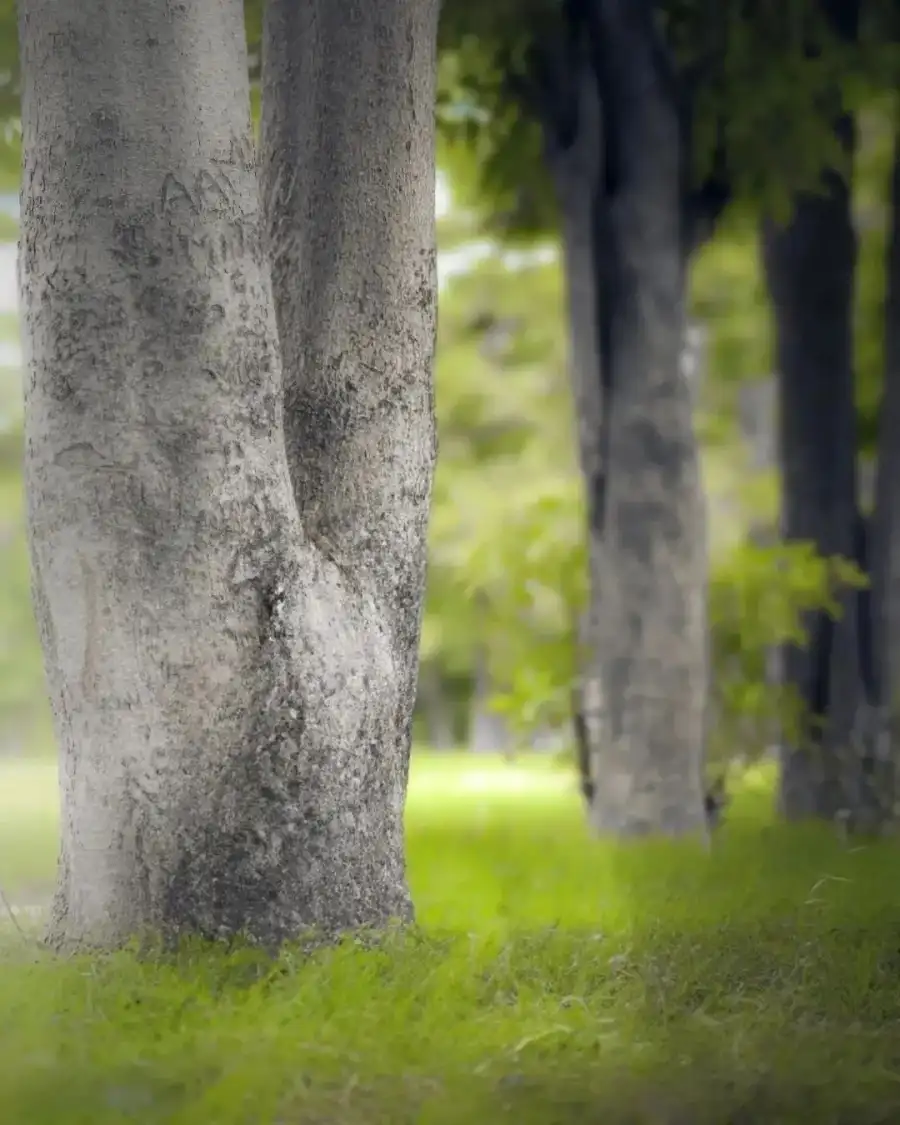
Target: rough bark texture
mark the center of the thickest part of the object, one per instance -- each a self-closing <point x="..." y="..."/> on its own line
<point x="230" y="683"/>
<point x="809" y="265"/>
<point x="348" y="178"/>
<point x="617" y="160"/>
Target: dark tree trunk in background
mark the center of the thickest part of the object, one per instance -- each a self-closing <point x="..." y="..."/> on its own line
<point x="843" y="769"/>
<point x="809" y="265"/>
<point x="573" y="133"/>
<point x="883" y="618"/>
<point x="615" y="149"/>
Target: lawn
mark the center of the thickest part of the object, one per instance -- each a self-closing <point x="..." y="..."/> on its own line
<point x="551" y="980"/>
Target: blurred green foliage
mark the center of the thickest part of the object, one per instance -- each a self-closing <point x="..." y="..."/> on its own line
<point x="504" y="426"/>
<point x="534" y="578"/>
<point x="9" y="99"/>
<point x="877" y="130"/>
<point x="758" y="599"/>
<point x="764" y="77"/>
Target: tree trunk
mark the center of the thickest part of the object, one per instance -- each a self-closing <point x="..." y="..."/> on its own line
<point x="568" y="102"/>
<point x="644" y="688"/>
<point x="883" y="617"/>
<point x="230" y="686"/>
<point x="349" y="179"/>
<point x="809" y="265"/>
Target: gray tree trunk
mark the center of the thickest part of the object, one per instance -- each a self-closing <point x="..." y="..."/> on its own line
<point x="229" y="686"/>
<point x="648" y="604"/>
<point x="643" y="694"/>
<point x="349" y="183"/>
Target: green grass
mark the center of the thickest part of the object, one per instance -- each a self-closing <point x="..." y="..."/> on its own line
<point x="551" y="980"/>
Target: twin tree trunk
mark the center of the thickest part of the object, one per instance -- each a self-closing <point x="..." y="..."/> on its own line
<point x="616" y="151"/>
<point x="228" y="466"/>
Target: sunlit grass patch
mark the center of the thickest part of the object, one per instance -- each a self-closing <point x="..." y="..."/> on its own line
<point x="551" y="979"/>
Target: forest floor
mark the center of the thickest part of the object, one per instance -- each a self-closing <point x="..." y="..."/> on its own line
<point x="551" y="980"/>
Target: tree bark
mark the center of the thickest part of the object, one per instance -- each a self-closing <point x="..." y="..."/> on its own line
<point x="883" y="617"/>
<point x="229" y="678"/>
<point x="809" y="265"/>
<point x="643" y="694"/>
<point x="568" y="103"/>
<point x="886" y="532"/>
<point x="349" y="182"/>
